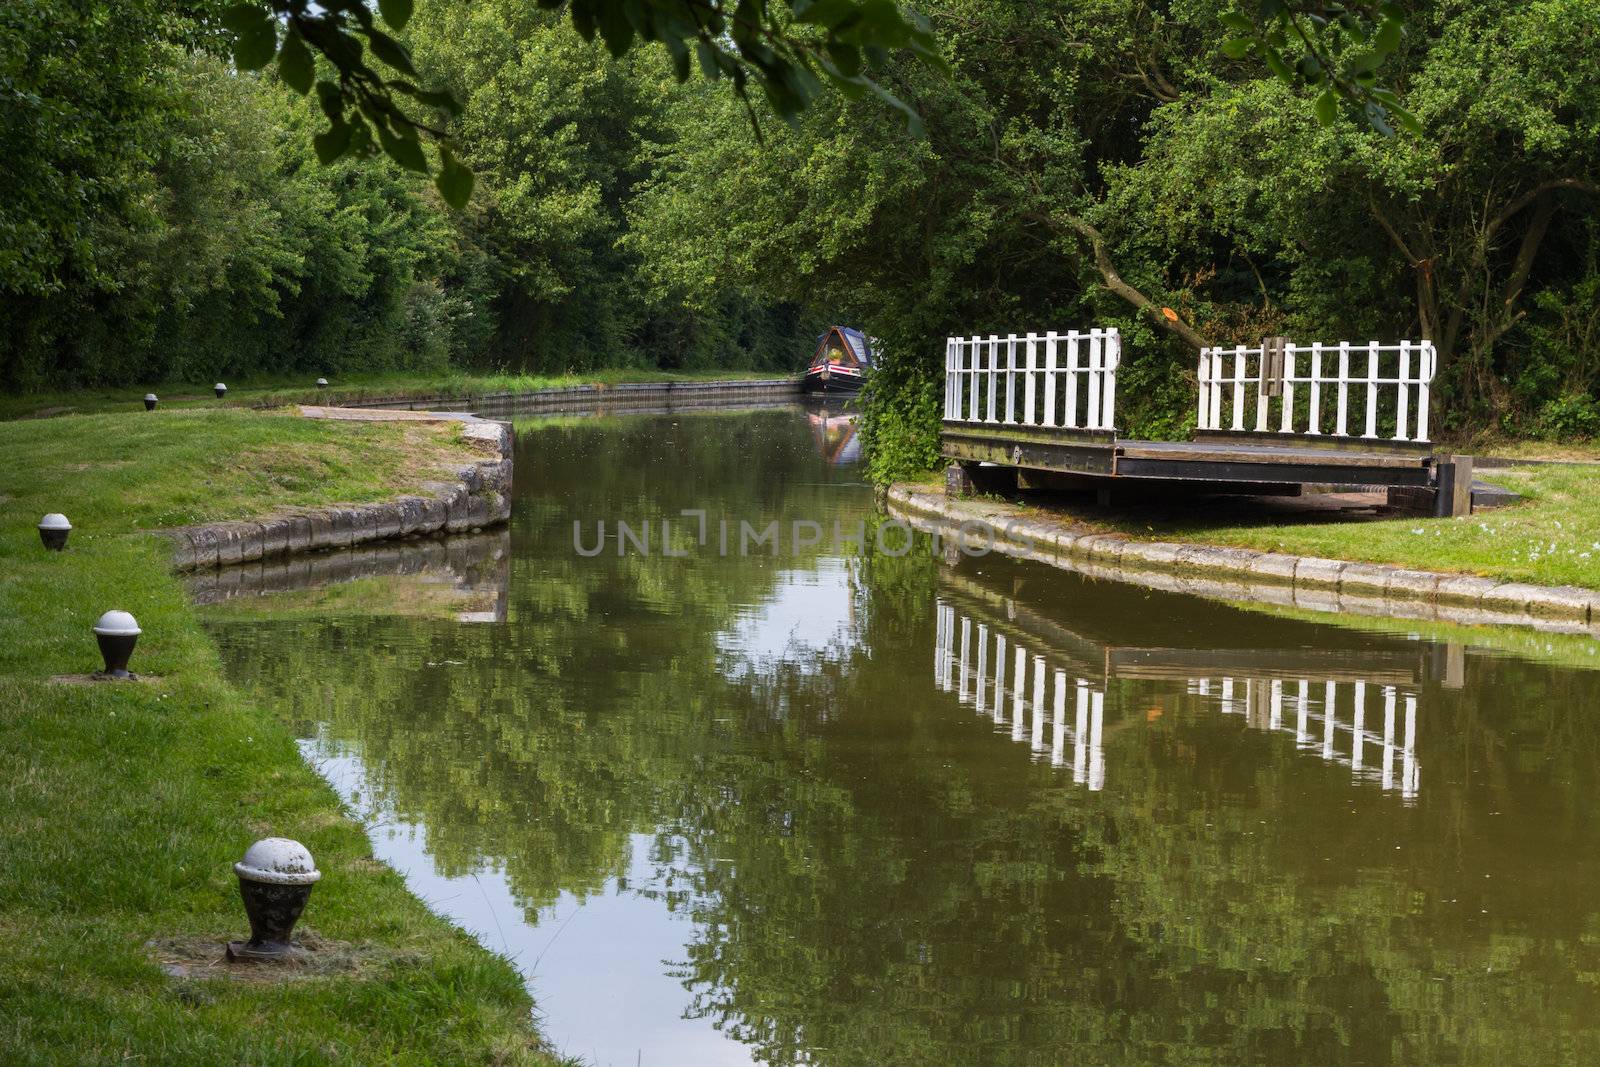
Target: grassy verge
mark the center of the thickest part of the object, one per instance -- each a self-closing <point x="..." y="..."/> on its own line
<point x="1552" y="538"/>
<point x="343" y="390"/>
<point x="1538" y="450"/>
<point x="126" y="804"/>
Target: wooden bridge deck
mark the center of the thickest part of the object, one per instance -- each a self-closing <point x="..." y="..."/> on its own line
<point x="1221" y="459"/>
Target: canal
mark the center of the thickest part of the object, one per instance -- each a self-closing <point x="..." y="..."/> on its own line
<point x="840" y="805"/>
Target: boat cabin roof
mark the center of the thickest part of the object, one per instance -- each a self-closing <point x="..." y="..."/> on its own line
<point x="851" y="340"/>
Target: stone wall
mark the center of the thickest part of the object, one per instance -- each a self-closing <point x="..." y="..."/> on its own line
<point x="596" y="396"/>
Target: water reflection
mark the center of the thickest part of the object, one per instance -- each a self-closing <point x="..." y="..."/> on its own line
<point x="466" y="577"/>
<point x="720" y="810"/>
<point x="835" y="435"/>
<point x="1260" y="701"/>
<point x="806" y="622"/>
<point x="988" y="695"/>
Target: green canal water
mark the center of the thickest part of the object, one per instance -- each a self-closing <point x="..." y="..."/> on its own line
<point x="837" y="805"/>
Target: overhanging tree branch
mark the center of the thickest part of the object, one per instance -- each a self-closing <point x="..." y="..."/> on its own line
<point x="1506" y="213"/>
<point x="1064" y="222"/>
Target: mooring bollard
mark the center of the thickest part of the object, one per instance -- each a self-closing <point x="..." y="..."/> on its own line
<point x="322" y="383"/>
<point x="150" y="401"/>
<point x="221" y="390"/>
<point x="275" y="880"/>
<point x="117" y="632"/>
<point x="53" y="530"/>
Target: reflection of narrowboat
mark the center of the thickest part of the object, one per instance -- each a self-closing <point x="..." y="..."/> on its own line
<point x="835" y="436"/>
<point x="841" y="362"/>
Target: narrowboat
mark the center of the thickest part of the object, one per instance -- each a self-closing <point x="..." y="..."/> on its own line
<point x="841" y="362"/>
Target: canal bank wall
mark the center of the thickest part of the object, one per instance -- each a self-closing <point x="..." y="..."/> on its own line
<point x="1245" y="574"/>
<point x="477" y="498"/>
<point x="480" y="495"/>
<point x="592" y="395"/>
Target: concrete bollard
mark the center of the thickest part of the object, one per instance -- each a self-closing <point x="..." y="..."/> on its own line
<point x="275" y="879"/>
<point x="116" y="632"/>
<point x="53" y="531"/>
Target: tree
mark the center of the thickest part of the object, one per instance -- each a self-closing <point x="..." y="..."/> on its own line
<point x="1099" y="162"/>
<point x="788" y="49"/>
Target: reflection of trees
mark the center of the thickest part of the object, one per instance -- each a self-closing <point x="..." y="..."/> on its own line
<point x="878" y="879"/>
<point x="540" y="745"/>
<point x="938" y="907"/>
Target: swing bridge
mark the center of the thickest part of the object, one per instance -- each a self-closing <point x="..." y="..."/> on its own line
<point x="1268" y="419"/>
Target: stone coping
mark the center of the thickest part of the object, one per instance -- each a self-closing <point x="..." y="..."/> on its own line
<point x="1248" y="574"/>
<point x="480" y="497"/>
<point x="560" y="397"/>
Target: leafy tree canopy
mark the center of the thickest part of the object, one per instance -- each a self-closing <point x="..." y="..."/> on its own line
<point x="377" y="99"/>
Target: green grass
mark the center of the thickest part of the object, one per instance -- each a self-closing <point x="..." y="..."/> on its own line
<point x="278" y="390"/>
<point x="125" y="804"/>
<point x="1545" y="451"/>
<point x="1553" y="538"/>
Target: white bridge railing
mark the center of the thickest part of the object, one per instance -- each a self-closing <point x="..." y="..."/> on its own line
<point x="1367" y="390"/>
<point x="1051" y="380"/>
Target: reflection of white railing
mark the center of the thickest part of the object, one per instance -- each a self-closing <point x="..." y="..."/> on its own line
<point x="1390" y="385"/>
<point x="968" y="675"/>
<point x="962" y="665"/>
<point x="1050" y="380"/>
<point x="1343" y="742"/>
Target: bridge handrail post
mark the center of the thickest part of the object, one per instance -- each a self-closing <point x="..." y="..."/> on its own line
<point x="1430" y="362"/>
<point x="1286" y="424"/>
<point x="1050" y="378"/>
<point x="1096" y="360"/>
<point x="1402" y="400"/>
<point x="1314" y="401"/>
<point x="1108" y="406"/>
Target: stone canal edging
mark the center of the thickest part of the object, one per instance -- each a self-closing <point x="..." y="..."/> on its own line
<point x="479" y="497"/>
<point x="1248" y="574"/>
<point x="592" y="394"/>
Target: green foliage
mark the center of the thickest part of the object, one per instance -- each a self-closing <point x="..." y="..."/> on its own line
<point x="1085" y="163"/>
<point x="789" y="50"/>
<point x="1570" y="416"/>
<point x="901" y="418"/>
<point x="562" y="139"/>
<point x="223" y="240"/>
<point x="1335" y="49"/>
<point x="76" y="107"/>
<point x="232" y="252"/>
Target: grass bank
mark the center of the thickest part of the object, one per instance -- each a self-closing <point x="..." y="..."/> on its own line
<point x="126" y="804"/>
<point x="1552" y="538"/>
<point x="343" y="390"/>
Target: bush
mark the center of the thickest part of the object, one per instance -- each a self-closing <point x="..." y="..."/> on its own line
<point x="1570" y="416"/>
<point x="900" y="424"/>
